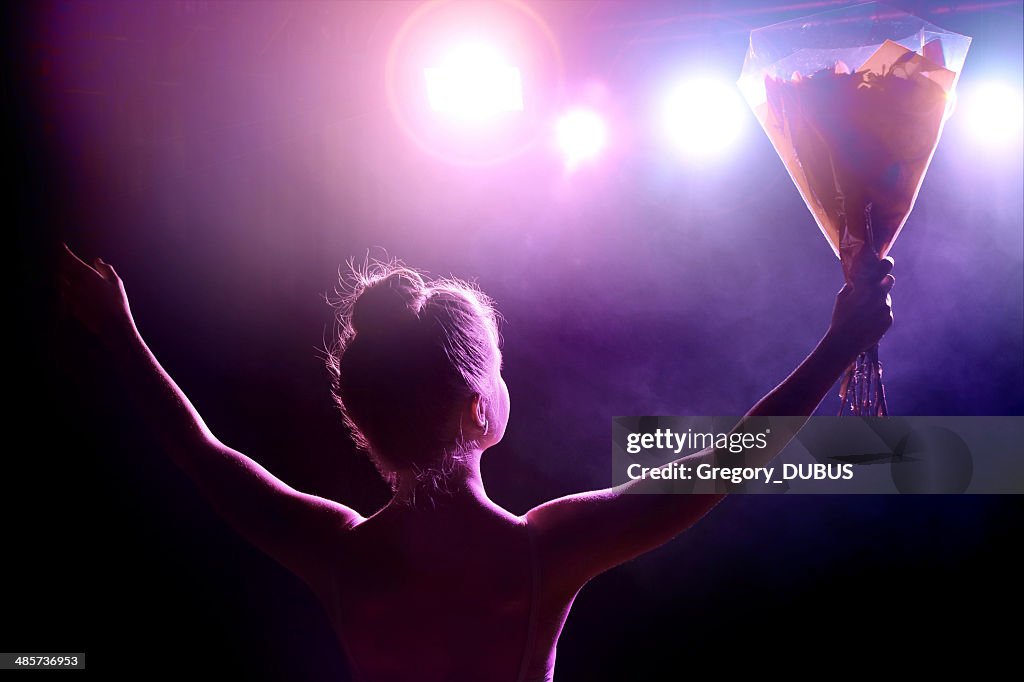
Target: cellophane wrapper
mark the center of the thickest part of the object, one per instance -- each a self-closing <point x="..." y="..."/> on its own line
<point x="854" y="101"/>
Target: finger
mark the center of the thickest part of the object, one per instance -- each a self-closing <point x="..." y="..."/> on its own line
<point x="72" y="265"/>
<point x="885" y="265"/>
<point x="69" y="256"/>
<point x="873" y="270"/>
<point x="99" y="266"/>
<point x="887" y="283"/>
<point x="107" y="271"/>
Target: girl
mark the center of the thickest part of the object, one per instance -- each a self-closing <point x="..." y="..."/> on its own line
<point x="442" y="584"/>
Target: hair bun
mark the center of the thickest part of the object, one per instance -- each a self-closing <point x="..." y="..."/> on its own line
<point x="389" y="301"/>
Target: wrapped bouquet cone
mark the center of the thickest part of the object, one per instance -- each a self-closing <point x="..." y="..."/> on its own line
<point x="854" y="101"/>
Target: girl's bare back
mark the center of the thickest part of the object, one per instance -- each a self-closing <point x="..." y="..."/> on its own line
<point x="440" y="594"/>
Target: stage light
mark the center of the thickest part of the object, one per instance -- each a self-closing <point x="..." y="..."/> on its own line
<point x="581" y="136"/>
<point x="473" y="82"/>
<point x="703" y="116"/>
<point x="994" y="113"/>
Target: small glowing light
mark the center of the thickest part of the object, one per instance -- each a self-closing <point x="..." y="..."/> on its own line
<point x="474" y="82"/>
<point x="703" y="116"/>
<point x="581" y="135"/>
<point x="994" y="112"/>
<point x="951" y="101"/>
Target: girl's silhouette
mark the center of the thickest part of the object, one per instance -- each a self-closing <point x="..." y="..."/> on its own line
<point x="442" y="584"/>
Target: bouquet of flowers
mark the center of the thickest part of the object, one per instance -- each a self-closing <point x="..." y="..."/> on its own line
<point x="854" y="101"/>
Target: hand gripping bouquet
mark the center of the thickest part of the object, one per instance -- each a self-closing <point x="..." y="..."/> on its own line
<point x="854" y="101"/>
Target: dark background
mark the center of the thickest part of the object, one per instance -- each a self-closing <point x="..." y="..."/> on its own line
<point x="227" y="158"/>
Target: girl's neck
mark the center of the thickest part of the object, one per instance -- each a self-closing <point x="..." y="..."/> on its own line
<point x="458" y="488"/>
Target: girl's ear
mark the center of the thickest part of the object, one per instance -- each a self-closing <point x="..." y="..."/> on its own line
<point x="479" y="410"/>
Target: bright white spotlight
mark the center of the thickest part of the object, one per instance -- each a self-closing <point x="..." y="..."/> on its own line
<point x="703" y="116"/>
<point x="994" y="112"/>
<point x="581" y="135"/>
<point x="473" y="82"/>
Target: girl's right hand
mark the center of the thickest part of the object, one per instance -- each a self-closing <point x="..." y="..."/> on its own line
<point x="863" y="310"/>
<point x="95" y="295"/>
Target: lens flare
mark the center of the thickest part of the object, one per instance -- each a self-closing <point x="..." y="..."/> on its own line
<point x="581" y="136"/>
<point x="703" y="116"/>
<point x="473" y="82"/>
<point x="994" y="113"/>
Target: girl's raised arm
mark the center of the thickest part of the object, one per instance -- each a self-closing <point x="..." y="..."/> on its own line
<point x="298" y="530"/>
<point x="583" y="535"/>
